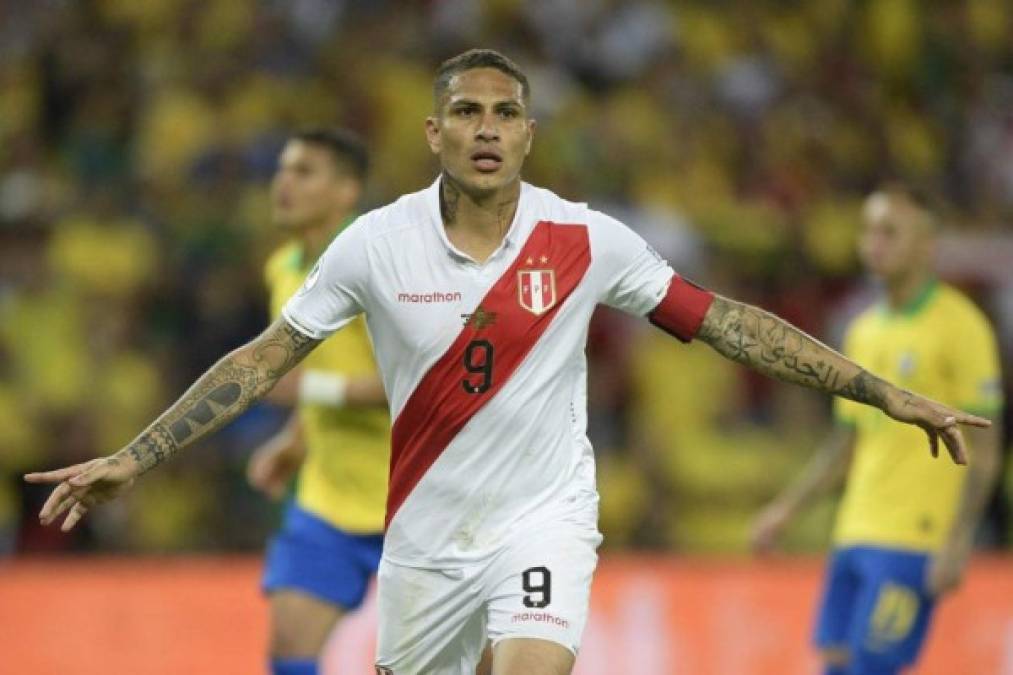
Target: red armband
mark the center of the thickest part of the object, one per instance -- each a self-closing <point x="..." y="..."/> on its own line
<point x="681" y="311"/>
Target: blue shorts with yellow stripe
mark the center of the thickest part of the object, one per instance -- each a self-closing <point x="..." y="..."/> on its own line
<point x="876" y="607"/>
<point x="312" y="556"/>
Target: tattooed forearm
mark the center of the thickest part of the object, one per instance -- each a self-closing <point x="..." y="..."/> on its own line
<point x="866" y="388"/>
<point x="222" y="393"/>
<point x="774" y="347"/>
<point x="153" y="447"/>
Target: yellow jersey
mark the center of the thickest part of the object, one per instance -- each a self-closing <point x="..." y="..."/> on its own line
<point x="942" y="347"/>
<point x="344" y="476"/>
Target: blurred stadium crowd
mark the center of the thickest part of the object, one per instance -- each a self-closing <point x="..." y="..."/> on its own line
<point x="138" y="137"/>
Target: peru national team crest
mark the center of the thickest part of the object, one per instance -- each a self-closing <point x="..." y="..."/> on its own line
<point x="536" y="290"/>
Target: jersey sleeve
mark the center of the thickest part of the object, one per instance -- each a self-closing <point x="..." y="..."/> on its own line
<point x="641" y="282"/>
<point x="976" y="366"/>
<point x="334" y="291"/>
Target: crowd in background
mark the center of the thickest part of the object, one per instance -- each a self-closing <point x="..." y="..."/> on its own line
<point x="138" y="137"/>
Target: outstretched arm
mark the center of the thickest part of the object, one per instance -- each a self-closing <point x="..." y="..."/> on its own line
<point x="222" y="393"/>
<point x="772" y="346"/>
<point x="824" y="470"/>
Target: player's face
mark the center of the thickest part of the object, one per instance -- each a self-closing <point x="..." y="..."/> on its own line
<point x="482" y="132"/>
<point x="308" y="190"/>
<point x="893" y="243"/>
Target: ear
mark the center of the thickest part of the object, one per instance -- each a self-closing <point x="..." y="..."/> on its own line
<point x="433" y="134"/>
<point x="531" y="135"/>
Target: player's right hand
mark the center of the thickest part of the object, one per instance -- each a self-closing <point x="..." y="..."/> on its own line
<point x="271" y="468"/>
<point x="937" y="420"/>
<point x="83" y="486"/>
<point x="767" y="528"/>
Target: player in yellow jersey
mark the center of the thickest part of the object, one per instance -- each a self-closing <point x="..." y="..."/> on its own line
<point x="904" y="529"/>
<point x="320" y="563"/>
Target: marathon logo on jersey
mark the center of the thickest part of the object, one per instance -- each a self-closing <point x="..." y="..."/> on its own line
<point x="429" y="298"/>
<point x="536" y="290"/>
<point x="540" y="617"/>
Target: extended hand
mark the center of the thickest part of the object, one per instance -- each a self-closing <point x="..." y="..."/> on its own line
<point x="82" y="486"/>
<point x="271" y="468"/>
<point x="767" y="528"/>
<point x="946" y="571"/>
<point x="938" y="421"/>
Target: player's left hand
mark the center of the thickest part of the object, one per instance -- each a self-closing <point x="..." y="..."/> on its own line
<point x="272" y="466"/>
<point x="768" y="527"/>
<point x="936" y="419"/>
<point x="946" y="571"/>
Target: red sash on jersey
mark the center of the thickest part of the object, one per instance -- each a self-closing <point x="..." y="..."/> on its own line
<point x="510" y="319"/>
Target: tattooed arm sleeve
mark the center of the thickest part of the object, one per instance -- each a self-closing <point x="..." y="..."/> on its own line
<point x="772" y="346"/>
<point x="223" y="392"/>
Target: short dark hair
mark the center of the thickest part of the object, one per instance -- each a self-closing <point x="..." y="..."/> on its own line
<point x="347" y="149"/>
<point x="470" y="60"/>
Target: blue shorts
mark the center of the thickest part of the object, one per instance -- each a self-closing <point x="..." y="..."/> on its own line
<point x="311" y="555"/>
<point x="876" y="607"/>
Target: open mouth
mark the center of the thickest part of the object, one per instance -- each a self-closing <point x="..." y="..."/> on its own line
<point x="486" y="160"/>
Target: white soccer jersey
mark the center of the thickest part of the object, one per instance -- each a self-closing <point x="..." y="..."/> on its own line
<point x="484" y="364"/>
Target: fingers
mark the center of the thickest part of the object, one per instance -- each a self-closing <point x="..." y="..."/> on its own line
<point x="259" y="478"/>
<point x="942" y="582"/>
<point x="973" y="420"/>
<point x="944" y="422"/>
<point x="761" y="543"/>
<point x="56" y="475"/>
<point x="940" y="415"/>
<point x="68" y="493"/>
<point x="88" y="477"/>
<point x="272" y="485"/>
<point x="252" y="474"/>
<point x="954" y="441"/>
<point x="275" y="490"/>
<point x="765" y="533"/>
<point x="61" y="499"/>
<point x="933" y="443"/>
<point x="960" y="417"/>
<point x="76" y="514"/>
<point x="259" y="475"/>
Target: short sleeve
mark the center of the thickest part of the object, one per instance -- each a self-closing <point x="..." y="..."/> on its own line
<point x="636" y="275"/>
<point x="976" y="367"/>
<point x="334" y="291"/>
<point x="641" y="282"/>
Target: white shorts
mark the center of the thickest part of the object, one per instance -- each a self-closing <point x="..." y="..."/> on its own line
<point x="437" y="622"/>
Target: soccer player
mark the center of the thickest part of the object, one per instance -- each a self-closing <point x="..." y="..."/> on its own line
<point x="478" y="291"/>
<point x="319" y="565"/>
<point x="905" y="526"/>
